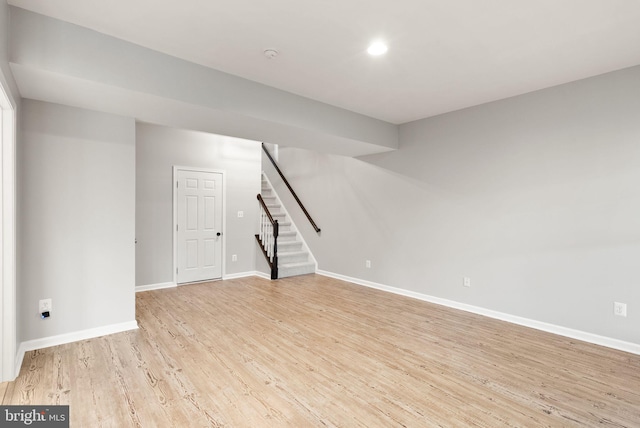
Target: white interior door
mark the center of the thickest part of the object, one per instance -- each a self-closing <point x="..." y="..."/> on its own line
<point x="199" y="226"/>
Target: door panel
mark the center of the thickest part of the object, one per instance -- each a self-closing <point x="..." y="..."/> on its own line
<point x="209" y="212"/>
<point x="192" y="254"/>
<point x="192" y="213"/>
<point x="209" y="253"/>
<point x="199" y="223"/>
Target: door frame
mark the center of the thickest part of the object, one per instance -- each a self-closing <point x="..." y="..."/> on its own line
<point x="175" y="214"/>
<point x="8" y="370"/>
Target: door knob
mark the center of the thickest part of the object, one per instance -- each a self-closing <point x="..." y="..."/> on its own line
<point x="218" y="234"/>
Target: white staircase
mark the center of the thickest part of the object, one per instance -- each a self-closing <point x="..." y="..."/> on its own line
<point x="294" y="257"/>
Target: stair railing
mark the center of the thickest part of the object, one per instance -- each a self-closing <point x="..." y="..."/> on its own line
<point x="286" y="182"/>
<point x="268" y="237"/>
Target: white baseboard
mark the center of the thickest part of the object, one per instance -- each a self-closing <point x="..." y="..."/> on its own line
<point x="246" y="275"/>
<point x="155" y="286"/>
<point x="621" y="345"/>
<point x="173" y="284"/>
<point x="61" y="339"/>
<point x="262" y="275"/>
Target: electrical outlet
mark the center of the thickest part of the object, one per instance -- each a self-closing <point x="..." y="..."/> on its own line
<point x="44" y="305"/>
<point x="466" y="281"/>
<point x="620" y="309"/>
<point x="240" y="214"/>
<point x="367" y="264"/>
<point x="234" y="258"/>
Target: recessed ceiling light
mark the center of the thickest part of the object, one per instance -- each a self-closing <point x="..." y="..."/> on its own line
<point x="377" y="48"/>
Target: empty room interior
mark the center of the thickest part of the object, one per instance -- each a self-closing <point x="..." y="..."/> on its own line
<point x="340" y="214"/>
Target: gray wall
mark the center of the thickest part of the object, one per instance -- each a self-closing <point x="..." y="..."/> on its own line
<point x="535" y="198"/>
<point x="77" y="219"/>
<point x="158" y="149"/>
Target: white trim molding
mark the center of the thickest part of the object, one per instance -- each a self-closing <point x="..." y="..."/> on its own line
<point x="159" y="286"/>
<point x="595" y="339"/>
<point x="263" y="275"/>
<point x="163" y="285"/>
<point x="246" y="274"/>
<point x="75" y="336"/>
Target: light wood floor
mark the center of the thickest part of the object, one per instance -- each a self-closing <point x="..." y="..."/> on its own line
<point x="317" y="352"/>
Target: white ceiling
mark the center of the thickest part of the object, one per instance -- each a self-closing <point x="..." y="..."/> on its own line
<point x="444" y="55"/>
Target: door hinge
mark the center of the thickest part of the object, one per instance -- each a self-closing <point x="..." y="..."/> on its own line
<point x="176" y="227"/>
<point x="176" y="271"/>
<point x="177" y="184"/>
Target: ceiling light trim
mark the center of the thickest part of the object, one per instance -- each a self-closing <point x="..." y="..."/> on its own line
<point x="377" y="48"/>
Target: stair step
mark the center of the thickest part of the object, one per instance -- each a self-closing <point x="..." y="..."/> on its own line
<point x="287" y="235"/>
<point x="286" y="257"/>
<point x="293" y="269"/>
<point x="292" y="259"/>
<point x="289" y="246"/>
<point x="283" y="226"/>
<point x="296" y="265"/>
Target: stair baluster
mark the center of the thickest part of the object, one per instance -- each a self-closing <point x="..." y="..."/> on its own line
<point x="268" y="237"/>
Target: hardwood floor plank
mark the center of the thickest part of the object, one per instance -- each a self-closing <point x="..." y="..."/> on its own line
<point x="314" y="351"/>
<point x="3" y="390"/>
